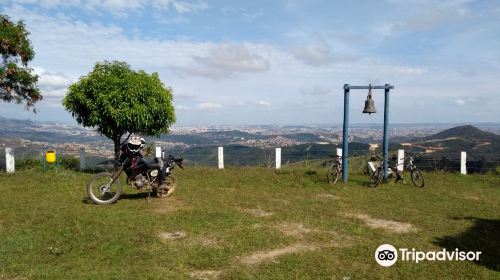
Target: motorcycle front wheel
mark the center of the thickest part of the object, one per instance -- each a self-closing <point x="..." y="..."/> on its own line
<point x="102" y="191"/>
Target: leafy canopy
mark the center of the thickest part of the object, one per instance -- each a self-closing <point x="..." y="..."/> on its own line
<point x="114" y="99"/>
<point x="17" y="81"/>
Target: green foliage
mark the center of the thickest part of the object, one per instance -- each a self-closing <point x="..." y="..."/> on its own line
<point x="114" y="99"/>
<point x="17" y="80"/>
<point x="66" y="162"/>
<point x="70" y="162"/>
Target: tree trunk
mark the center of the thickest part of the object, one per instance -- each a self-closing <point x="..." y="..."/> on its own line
<point x="116" y="141"/>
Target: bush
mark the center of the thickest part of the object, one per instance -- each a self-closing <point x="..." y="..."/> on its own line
<point x="66" y="162"/>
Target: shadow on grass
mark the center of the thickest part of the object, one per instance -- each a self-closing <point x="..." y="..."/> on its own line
<point x="483" y="235"/>
<point x="359" y="182"/>
<point x="139" y="195"/>
<point x="87" y="200"/>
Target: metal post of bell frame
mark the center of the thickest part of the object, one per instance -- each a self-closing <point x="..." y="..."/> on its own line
<point x="345" y="137"/>
<point x="386" y="126"/>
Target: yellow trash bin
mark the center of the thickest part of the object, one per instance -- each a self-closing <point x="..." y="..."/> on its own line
<point x="50" y="156"/>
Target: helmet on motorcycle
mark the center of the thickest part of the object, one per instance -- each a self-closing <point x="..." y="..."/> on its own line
<point x="134" y="144"/>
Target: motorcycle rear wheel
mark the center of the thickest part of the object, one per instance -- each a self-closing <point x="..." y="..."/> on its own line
<point x="101" y="191"/>
<point x="171" y="182"/>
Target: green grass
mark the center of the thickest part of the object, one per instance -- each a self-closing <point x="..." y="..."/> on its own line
<point x="48" y="230"/>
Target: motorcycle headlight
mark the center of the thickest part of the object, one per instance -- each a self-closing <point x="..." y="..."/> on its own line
<point x="154" y="173"/>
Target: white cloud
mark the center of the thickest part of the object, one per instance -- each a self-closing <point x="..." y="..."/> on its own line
<point x="53" y="86"/>
<point x="406" y="70"/>
<point x="234" y="58"/>
<point x="316" y="54"/>
<point x="186" y="7"/>
<point x="182" y="108"/>
<point x="47" y="4"/>
<point x="460" y="102"/>
<point x="263" y="103"/>
<point x="119" y="8"/>
<point x="316" y="90"/>
<point x="209" y="106"/>
<point x="429" y="16"/>
<point x="52" y="81"/>
<point x="223" y="61"/>
<point x="185" y="96"/>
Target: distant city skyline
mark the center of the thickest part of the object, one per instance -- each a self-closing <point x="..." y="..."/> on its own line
<point x="276" y="62"/>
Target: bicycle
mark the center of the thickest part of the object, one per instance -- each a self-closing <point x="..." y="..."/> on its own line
<point x="416" y="175"/>
<point x="335" y="170"/>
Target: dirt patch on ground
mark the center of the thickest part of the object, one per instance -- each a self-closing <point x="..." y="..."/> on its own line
<point x="294" y="229"/>
<point x="256" y="212"/>
<point x="171" y="204"/>
<point x="207" y="241"/>
<point x="271" y="255"/>
<point x="205" y="274"/>
<point x="173" y="235"/>
<point x="282" y="201"/>
<point x="327" y="195"/>
<point x="389" y="225"/>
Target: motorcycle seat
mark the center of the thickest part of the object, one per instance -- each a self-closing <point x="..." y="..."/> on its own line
<point x="150" y="164"/>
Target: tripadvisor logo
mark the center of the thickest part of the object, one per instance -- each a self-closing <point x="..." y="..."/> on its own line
<point x="387" y="255"/>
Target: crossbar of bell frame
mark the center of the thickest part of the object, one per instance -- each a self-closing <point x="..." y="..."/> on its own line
<point x="368" y="87"/>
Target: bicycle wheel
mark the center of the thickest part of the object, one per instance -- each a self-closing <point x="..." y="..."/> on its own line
<point x="333" y="174"/>
<point x="391" y="175"/>
<point x="376" y="178"/>
<point x="417" y="178"/>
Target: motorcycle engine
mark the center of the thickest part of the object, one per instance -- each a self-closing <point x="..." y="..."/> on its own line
<point x="140" y="182"/>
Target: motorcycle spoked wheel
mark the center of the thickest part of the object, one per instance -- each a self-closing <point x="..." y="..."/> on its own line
<point x="168" y="189"/>
<point x="101" y="192"/>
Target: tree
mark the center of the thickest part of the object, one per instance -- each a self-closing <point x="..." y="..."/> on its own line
<point x="17" y="81"/>
<point x="115" y="100"/>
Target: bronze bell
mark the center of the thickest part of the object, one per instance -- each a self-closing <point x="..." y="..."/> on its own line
<point x="369" y="103"/>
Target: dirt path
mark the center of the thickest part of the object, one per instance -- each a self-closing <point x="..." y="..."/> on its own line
<point x="256" y="212"/>
<point x="269" y="255"/>
<point x="171" y="204"/>
<point x="389" y="225"/>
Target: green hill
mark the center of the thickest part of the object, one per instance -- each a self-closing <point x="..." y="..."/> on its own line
<point x="454" y="140"/>
<point x="442" y="150"/>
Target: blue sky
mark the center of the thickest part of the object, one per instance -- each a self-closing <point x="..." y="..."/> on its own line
<point x="276" y="62"/>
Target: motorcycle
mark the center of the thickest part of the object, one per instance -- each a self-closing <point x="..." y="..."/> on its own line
<point x="154" y="176"/>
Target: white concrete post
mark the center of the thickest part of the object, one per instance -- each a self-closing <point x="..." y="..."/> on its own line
<point x="158" y="152"/>
<point x="82" y="159"/>
<point x="463" y="160"/>
<point x="339" y="152"/>
<point x="401" y="160"/>
<point x="278" y="158"/>
<point x="221" y="158"/>
<point x="10" y="164"/>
